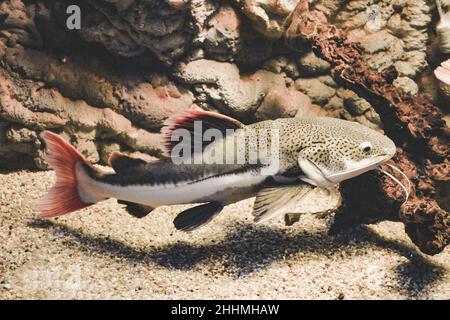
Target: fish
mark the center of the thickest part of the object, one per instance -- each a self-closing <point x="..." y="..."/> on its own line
<point x="213" y="160"/>
<point x="442" y="72"/>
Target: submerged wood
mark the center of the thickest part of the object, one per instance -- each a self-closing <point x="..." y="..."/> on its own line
<point x="416" y="126"/>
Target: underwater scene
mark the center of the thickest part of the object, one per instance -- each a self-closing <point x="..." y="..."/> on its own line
<point x="213" y="149"/>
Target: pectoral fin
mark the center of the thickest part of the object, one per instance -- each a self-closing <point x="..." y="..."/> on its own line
<point x="274" y="200"/>
<point x="195" y="217"/>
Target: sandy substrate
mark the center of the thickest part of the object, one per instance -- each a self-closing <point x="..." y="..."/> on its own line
<point x="102" y="252"/>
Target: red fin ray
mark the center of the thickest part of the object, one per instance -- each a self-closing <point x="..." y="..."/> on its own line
<point x="63" y="197"/>
<point x="186" y="121"/>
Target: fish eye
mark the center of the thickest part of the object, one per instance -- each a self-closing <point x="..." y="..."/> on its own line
<point x="366" y="146"/>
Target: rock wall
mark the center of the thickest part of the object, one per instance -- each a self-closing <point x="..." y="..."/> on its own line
<point x="110" y="85"/>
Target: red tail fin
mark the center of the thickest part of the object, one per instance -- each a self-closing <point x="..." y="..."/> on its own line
<point x="63" y="197"/>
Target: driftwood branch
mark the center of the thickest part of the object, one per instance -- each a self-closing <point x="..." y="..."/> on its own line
<point x="415" y="125"/>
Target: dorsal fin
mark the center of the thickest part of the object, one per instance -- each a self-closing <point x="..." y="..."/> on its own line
<point x="120" y="162"/>
<point x="186" y="121"/>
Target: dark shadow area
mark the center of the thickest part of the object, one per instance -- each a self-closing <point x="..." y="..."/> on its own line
<point x="12" y="169"/>
<point x="417" y="276"/>
<point x="249" y="248"/>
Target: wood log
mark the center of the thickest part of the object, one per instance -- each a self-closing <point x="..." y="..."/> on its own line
<point x="414" y="124"/>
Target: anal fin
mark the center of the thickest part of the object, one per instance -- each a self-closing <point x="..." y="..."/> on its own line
<point x="195" y="217"/>
<point x="135" y="209"/>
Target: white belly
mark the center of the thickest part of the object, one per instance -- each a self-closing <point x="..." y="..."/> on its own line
<point x="210" y="189"/>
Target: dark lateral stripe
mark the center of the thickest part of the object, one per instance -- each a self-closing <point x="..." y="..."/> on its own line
<point x="166" y="172"/>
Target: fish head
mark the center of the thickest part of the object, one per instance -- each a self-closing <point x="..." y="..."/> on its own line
<point x="342" y="150"/>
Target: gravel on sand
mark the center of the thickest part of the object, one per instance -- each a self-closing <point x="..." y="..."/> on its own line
<point x="101" y="252"/>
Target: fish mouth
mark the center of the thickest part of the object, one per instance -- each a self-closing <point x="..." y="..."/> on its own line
<point x="356" y="171"/>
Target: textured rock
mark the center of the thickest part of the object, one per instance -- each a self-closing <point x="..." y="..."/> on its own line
<point x="396" y="30"/>
<point x="312" y="110"/>
<point x="376" y="42"/>
<point x="254" y="49"/>
<point x="319" y="92"/>
<point x="310" y="64"/>
<point x="221" y="85"/>
<point x="267" y="15"/>
<point x="149" y="105"/>
<point x="442" y="28"/>
<point x="75" y="77"/>
<point x="282" y="102"/>
<point x="282" y="64"/>
<point x="354" y="104"/>
<point x="406" y="84"/>
<point x="87" y="125"/>
<point x="163" y="28"/>
<point x="405" y="68"/>
<point x="222" y="40"/>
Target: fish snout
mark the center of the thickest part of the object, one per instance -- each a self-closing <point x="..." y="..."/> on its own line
<point x="387" y="146"/>
<point x="390" y="150"/>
